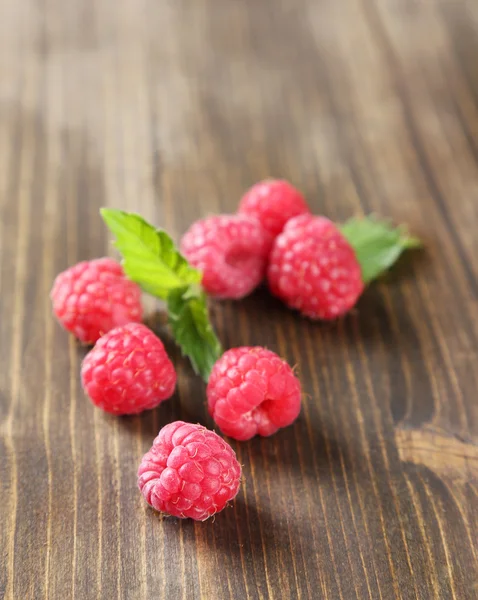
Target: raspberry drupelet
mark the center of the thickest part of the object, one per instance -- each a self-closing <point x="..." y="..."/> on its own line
<point x="92" y="297"/>
<point x="252" y="391"/>
<point x="190" y="472"/>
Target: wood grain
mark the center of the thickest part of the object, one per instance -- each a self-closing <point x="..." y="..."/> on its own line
<point x="173" y="109"/>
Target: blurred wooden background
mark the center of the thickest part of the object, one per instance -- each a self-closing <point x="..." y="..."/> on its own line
<point x="172" y="108"/>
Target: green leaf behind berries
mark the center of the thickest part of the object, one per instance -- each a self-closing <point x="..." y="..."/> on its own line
<point x="377" y="244"/>
<point x="189" y="321"/>
<point x="150" y="256"/>
<point x="151" y="259"/>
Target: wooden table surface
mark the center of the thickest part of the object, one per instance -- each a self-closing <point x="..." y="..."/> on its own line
<point x="173" y="108"/>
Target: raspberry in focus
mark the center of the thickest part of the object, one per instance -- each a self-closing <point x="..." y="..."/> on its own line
<point x="273" y="202"/>
<point x="92" y="297"/>
<point x="190" y="472"/>
<point x="314" y="269"/>
<point x="128" y="371"/>
<point x="230" y="250"/>
<point x="252" y="391"/>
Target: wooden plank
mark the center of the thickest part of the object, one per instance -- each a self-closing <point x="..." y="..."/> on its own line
<point x="173" y="109"/>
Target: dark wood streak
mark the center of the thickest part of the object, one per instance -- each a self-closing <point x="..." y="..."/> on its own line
<point x="173" y="109"/>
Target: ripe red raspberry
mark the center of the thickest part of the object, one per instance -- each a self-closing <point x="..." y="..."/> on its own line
<point x="190" y="472"/>
<point x="314" y="269"/>
<point x="273" y="202"/>
<point x="128" y="371"/>
<point x="252" y="391"/>
<point x="93" y="297"/>
<point x="230" y="250"/>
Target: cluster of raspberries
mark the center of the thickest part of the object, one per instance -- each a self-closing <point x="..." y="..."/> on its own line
<point x="307" y="261"/>
<point x="190" y="471"/>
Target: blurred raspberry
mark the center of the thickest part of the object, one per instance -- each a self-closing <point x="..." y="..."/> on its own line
<point x="273" y="202"/>
<point x="230" y="250"/>
<point x="93" y="297"/>
<point x="314" y="269"/>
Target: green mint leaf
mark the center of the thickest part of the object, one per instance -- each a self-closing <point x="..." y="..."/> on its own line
<point x="377" y="244"/>
<point x="152" y="260"/>
<point x="189" y="320"/>
<point x="150" y="257"/>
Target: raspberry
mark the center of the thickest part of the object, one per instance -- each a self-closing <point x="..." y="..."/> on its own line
<point x="128" y="371"/>
<point x="252" y="391"/>
<point x="273" y="202"/>
<point x="189" y="472"/>
<point x="314" y="269"/>
<point x="230" y="250"/>
<point x="93" y="297"/>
